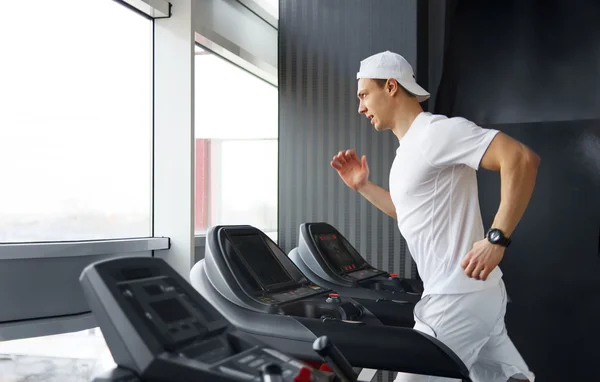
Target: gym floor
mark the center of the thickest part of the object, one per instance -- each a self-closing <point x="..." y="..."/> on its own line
<point x="71" y="357"/>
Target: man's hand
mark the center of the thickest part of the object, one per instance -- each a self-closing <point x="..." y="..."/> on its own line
<point x="353" y="171"/>
<point x="482" y="259"/>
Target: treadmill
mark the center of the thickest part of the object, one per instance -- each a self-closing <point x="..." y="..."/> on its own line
<point x="328" y="259"/>
<point x="252" y="282"/>
<point x="160" y="329"/>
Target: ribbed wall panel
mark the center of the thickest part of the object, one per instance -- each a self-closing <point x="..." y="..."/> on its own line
<point x="321" y="44"/>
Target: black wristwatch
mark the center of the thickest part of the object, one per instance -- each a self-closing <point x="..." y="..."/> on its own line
<point x="495" y="236"/>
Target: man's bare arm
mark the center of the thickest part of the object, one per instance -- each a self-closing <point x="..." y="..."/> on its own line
<point x="354" y="172"/>
<point x="518" y="167"/>
<point x="379" y="197"/>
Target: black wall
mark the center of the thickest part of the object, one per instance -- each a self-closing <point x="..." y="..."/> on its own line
<point x="321" y="44"/>
<point x="532" y="70"/>
<point x="521" y="61"/>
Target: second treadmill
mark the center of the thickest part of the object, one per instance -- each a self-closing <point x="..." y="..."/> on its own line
<point x="328" y="259"/>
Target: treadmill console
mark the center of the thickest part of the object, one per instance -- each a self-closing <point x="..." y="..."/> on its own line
<point x="159" y="327"/>
<point x="169" y="313"/>
<point x="255" y="258"/>
<point x="338" y="253"/>
<point x="329" y="260"/>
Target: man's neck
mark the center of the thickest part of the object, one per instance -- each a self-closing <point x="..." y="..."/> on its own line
<point x="405" y="117"/>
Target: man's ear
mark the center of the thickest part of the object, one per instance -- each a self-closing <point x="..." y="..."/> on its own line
<point x="392" y="86"/>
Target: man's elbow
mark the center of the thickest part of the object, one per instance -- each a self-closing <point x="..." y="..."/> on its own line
<point x="521" y="159"/>
<point x="531" y="160"/>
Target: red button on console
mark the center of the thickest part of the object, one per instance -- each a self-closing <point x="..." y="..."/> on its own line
<point x="304" y="375"/>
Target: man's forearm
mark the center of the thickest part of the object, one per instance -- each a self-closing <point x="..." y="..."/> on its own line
<point x="517" y="180"/>
<point x="379" y="197"/>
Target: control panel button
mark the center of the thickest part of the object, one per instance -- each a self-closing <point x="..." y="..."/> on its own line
<point x="304" y="375"/>
<point x="256" y="363"/>
<point x="236" y="373"/>
<point x="277" y="355"/>
<point x="246" y="359"/>
<point x="333" y="298"/>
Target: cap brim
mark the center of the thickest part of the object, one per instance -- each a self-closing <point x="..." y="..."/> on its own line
<point x="415" y="89"/>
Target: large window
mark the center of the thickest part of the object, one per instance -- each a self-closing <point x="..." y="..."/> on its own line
<point x="75" y="151"/>
<point x="236" y="116"/>
<point x="75" y="126"/>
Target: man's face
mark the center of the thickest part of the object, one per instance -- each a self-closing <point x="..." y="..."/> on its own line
<point x="375" y="103"/>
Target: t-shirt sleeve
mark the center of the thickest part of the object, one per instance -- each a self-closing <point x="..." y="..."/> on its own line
<point x="456" y="141"/>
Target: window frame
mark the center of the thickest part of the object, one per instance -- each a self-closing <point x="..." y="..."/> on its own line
<point x="16" y="251"/>
<point x="228" y="50"/>
<point x="257" y="7"/>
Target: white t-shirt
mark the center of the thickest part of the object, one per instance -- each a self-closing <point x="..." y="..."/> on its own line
<point x="433" y="185"/>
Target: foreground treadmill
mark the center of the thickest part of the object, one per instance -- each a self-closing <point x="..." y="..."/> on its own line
<point x="159" y="328"/>
<point x="328" y="259"/>
<point x="252" y="282"/>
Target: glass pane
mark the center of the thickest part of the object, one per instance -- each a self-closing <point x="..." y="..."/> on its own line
<point x="75" y="126"/>
<point x="236" y="147"/>
<point x="231" y="103"/>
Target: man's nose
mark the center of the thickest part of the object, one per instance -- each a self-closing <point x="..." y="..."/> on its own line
<point x="361" y="108"/>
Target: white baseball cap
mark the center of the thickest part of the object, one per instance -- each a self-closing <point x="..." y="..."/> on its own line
<point x="387" y="65"/>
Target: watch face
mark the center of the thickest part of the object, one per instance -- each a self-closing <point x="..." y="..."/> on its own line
<point x="495" y="235"/>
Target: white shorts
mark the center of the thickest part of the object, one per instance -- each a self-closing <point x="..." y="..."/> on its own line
<point x="472" y="325"/>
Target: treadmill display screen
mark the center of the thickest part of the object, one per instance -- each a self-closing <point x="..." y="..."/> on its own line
<point x="170" y="310"/>
<point x="261" y="260"/>
<point x="335" y="252"/>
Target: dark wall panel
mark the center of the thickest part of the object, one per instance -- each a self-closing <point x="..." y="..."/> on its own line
<point x="435" y="28"/>
<point x="531" y="69"/>
<point x="521" y="61"/>
<point x="552" y="268"/>
<point x="321" y="44"/>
